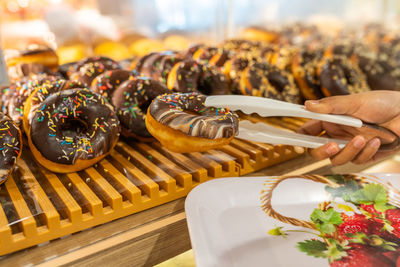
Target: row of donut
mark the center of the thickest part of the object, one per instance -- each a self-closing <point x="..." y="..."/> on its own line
<point x="70" y="127"/>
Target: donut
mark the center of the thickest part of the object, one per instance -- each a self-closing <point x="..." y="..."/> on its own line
<point x="85" y="71"/>
<point x="166" y="63"/>
<point x="260" y="34"/>
<point x="106" y="83"/>
<point x="131" y="100"/>
<point x="22" y="70"/>
<point x="35" y="54"/>
<point x="20" y="93"/>
<point x="339" y="76"/>
<point x="212" y="81"/>
<point x="233" y="69"/>
<point x="72" y="130"/>
<point x="204" y="54"/>
<point x="184" y="76"/>
<point x="182" y="123"/>
<point x="266" y="80"/>
<point x="40" y="93"/>
<point x="304" y="70"/>
<point x="10" y="146"/>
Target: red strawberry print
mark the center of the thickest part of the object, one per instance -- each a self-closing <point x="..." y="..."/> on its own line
<point x="392" y="255"/>
<point x="371" y="210"/>
<point x="354" y="224"/>
<point x="363" y="256"/>
<point x="393" y="216"/>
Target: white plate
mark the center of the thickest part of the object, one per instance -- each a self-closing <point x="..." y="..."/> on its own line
<point x="228" y="228"/>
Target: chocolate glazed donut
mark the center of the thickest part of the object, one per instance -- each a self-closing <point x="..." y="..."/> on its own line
<point x="106" y="83"/>
<point x="72" y="130"/>
<point x="304" y="70"/>
<point x="131" y="101"/>
<point x="15" y="106"/>
<point x="182" y="123"/>
<point x="339" y="76"/>
<point x="264" y="79"/>
<point x="10" y="146"/>
<point x="40" y="93"/>
<point x="86" y="70"/>
<point x="184" y="76"/>
<point x="212" y="81"/>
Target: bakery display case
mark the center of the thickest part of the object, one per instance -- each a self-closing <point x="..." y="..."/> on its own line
<point x="74" y="71"/>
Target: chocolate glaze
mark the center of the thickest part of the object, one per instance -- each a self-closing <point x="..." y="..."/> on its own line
<point x="99" y="59"/>
<point x="340" y="77"/>
<point x="187" y="76"/>
<point x="86" y="70"/>
<point x="221" y="57"/>
<point x="10" y="146"/>
<point x="131" y="100"/>
<point x="106" y="83"/>
<point x="46" y="89"/>
<point x="66" y="69"/>
<point x="22" y="91"/>
<point x="142" y="60"/>
<point x="18" y="71"/>
<point x="176" y="111"/>
<point x="212" y="81"/>
<point x="269" y="81"/>
<point x="167" y="62"/>
<point x="308" y="60"/>
<point x="74" y="124"/>
<point x="36" y="49"/>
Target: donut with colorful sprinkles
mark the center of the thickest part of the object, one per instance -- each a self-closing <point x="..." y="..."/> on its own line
<point x="40" y="93"/>
<point x="10" y="146"/>
<point x="72" y="130"/>
<point x="182" y="123"/>
<point x="131" y="100"/>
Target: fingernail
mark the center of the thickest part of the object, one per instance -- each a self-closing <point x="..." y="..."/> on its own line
<point x="375" y="143"/>
<point x="332" y="150"/>
<point x="359" y="142"/>
<point x="312" y="102"/>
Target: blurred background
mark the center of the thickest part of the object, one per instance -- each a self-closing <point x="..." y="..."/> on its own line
<point x="91" y="26"/>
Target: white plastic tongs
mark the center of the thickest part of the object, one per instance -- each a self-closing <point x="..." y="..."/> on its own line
<point x="260" y="132"/>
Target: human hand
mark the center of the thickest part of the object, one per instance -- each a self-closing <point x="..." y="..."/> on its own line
<point x="377" y="107"/>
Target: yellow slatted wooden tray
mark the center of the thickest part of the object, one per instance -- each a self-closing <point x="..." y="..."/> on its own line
<point x="38" y="205"/>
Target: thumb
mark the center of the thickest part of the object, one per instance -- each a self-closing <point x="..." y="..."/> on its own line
<point x="345" y="104"/>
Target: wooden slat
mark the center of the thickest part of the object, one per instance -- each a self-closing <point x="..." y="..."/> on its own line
<point x="198" y="172"/>
<point x="26" y="219"/>
<point x="228" y="163"/>
<point x="50" y="213"/>
<point x="145" y="183"/>
<point x="93" y="203"/>
<point x="128" y="189"/>
<point x="5" y="230"/>
<point x="183" y="178"/>
<point x="72" y="208"/>
<point x="254" y="153"/>
<point x="166" y="181"/>
<point x="214" y="168"/>
<point x="113" y="198"/>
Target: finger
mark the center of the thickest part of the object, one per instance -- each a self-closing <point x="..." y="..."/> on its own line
<point x="312" y="127"/>
<point x="325" y="151"/>
<point x="368" y="152"/>
<point x="350" y="151"/>
<point x="347" y="104"/>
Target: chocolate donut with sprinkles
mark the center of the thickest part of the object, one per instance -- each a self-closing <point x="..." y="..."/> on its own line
<point x="106" y="83"/>
<point x="87" y="70"/>
<point x="131" y="101"/>
<point x="72" y="130"/>
<point x="10" y="146"/>
<point x="40" y="93"/>
<point x="182" y="123"/>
